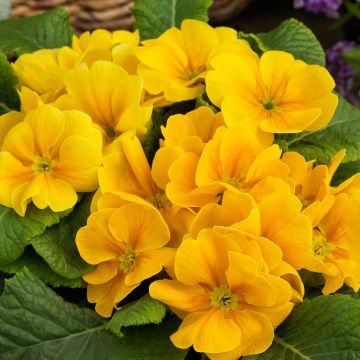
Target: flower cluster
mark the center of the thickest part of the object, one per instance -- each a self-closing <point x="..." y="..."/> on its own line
<point x="221" y="216"/>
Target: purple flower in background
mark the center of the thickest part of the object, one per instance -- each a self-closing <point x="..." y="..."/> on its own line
<point x="328" y="7"/>
<point x="342" y="73"/>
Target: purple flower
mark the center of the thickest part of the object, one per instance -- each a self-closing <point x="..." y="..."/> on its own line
<point x="328" y="7"/>
<point x="342" y="73"/>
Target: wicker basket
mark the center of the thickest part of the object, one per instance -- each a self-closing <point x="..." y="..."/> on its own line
<point x="111" y="14"/>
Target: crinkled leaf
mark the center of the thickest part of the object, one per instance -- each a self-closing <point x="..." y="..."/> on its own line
<point x="323" y="328"/>
<point x="41" y="269"/>
<point x="16" y="231"/>
<point x="343" y="132"/>
<point x="38" y="324"/>
<point x="49" y="30"/>
<point x="57" y="245"/>
<point x="294" y="37"/>
<point x="152" y="18"/>
<point x="144" y="311"/>
<point x="9" y="98"/>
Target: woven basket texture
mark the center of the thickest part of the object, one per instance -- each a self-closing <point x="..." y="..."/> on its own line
<point x="111" y="14"/>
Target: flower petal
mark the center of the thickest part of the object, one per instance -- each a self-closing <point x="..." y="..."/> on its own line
<point x="103" y="273"/>
<point x="173" y="293"/>
<point x="148" y="264"/>
<point x="207" y="332"/>
<point x="140" y="226"/>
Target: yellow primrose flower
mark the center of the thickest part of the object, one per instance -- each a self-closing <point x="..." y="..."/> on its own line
<point x="118" y="46"/>
<point x="239" y="211"/>
<point x="276" y="92"/>
<point x="176" y="63"/>
<point x="41" y="72"/>
<point x="283" y="223"/>
<point x="29" y="100"/>
<point x="127" y="245"/>
<point x="109" y="95"/>
<point x="191" y="131"/>
<point x="127" y="173"/>
<point x="47" y="158"/>
<point x="335" y="242"/>
<point x="237" y="159"/>
<point x="231" y="305"/>
<point x="312" y="184"/>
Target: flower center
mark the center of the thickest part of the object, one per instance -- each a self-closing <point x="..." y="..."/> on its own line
<point x="110" y="132"/>
<point x="127" y="261"/>
<point x="160" y="201"/>
<point x="268" y="104"/>
<point x="232" y="181"/>
<point x="43" y="164"/>
<point x="319" y="246"/>
<point x="222" y="298"/>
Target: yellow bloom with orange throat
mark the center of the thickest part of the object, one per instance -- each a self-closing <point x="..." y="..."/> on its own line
<point x="230" y="305"/>
<point x="47" y="158"/>
<point x="175" y="64"/>
<point x="127" y="245"/>
<point x="275" y="91"/>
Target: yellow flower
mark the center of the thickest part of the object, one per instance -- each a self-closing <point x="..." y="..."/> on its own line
<point x="335" y="242"/>
<point x="44" y="70"/>
<point x="109" y="95"/>
<point x="231" y="305"/>
<point x="276" y="92"/>
<point x="29" y="100"/>
<point x="237" y="159"/>
<point x="176" y="63"/>
<point x="127" y="173"/>
<point x="283" y="223"/>
<point x="127" y="245"/>
<point x="312" y="184"/>
<point x="118" y="46"/>
<point x="193" y="130"/>
<point x="47" y="158"/>
<point x="41" y="72"/>
<point x="238" y="211"/>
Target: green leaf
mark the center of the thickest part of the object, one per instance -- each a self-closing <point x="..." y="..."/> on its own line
<point x="294" y="37"/>
<point x="5" y="9"/>
<point x="345" y="171"/>
<point x="38" y="324"/>
<point x="352" y="57"/>
<point x="152" y="18"/>
<point x="9" y="98"/>
<point x="57" y="245"/>
<point x="144" y="311"/>
<point x="323" y="328"/>
<point x="254" y="41"/>
<point x="343" y="132"/>
<point x="41" y="269"/>
<point x="16" y="231"/>
<point x="49" y="30"/>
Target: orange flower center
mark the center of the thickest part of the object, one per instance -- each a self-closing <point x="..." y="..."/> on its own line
<point x="127" y="260"/>
<point x="223" y="298"/>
